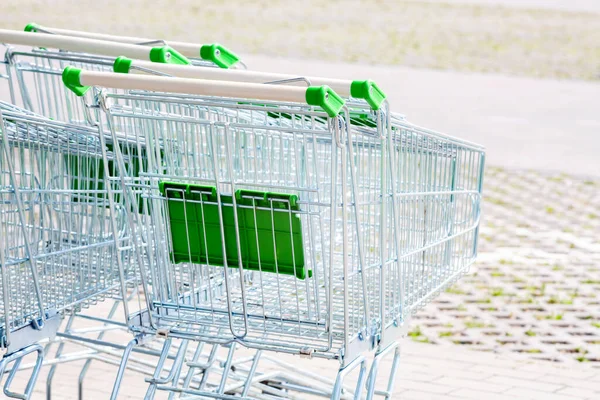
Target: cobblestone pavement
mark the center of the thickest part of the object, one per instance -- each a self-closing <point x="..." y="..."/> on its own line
<point x="535" y="291"/>
<point x="425" y="373"/>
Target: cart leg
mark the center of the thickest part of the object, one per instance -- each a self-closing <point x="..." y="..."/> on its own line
<point x="174" y="372"/>
<point x="190" y="372"/>
<point x="17" y="357"/>
<point x="59" y="351"/>
<point x="159" y="367"/>
<point x="86" y="366"/>
<point x="360" y="362"/>
<point x="387" y="394"/>
<point x="177" y="373"/>
<point x="206" y="369"/>
<point x="251" y="373"/>
<point x="226" y="368"/>
<point x="122" y="367"/>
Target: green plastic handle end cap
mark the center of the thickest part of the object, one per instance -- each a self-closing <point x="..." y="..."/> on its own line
<point x="167" y="55"/>
<point x="326" y="98"/>
<point x="71" y="79"/>
<point x="368" y="91"/>
<point x="32" y="27"/>
<point x="122" y="65"/>
<point x="219" y="55"/>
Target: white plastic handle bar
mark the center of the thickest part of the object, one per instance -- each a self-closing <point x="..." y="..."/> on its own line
<point x="214" y="52"/>
<point x="366" y="90"/>
<point x="75" y="44"/>
<point x="341" y="86"/>
<point x="185" y="48"/>
<point x="77" y="80"/>
<point x="193" y="86"/>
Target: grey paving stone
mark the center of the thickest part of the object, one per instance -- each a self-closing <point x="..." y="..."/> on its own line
<point x="428" y="387"/>
<point x="525" y="383"/>
<point x="481" y="395"/>
<point x="480" y="385"/>
<point x="537" y="395"/>
<point x="535" y="290"/>
<point x="580" y="393"/>
<point x="421" y="395"/>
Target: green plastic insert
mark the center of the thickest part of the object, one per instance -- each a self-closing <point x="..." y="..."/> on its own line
<point x="122" y="65"/>
<point x="368" y="91"/>
<point x="32" y="27"/>
<point x="270" y="231"/>
<point x="326" y="98"/>
<point x="87" y="173"/>
<point x="71" y="79"/>
<point x="218" y="54"/>
<point x="167" y="55"/>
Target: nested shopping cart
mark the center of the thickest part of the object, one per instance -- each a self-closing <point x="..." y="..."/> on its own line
<point x="57" y="246"/>
<point x="258" y="219"/>
<point x="33" y="304"/>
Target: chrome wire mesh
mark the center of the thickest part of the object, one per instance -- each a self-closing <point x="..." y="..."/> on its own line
<point x="36" y="83"/>
<point x="436" y="195"/>
<point x="389" y="216"/>
<point x="232" y="146"/>
<point x="56" y="237"/>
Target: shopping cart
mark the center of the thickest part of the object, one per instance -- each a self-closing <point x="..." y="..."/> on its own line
<point x="311" y="230"/>
<point x="34" y="81"/>
<point x="57" y="246"/>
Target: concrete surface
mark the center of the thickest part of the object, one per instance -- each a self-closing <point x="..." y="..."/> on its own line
<point x="563" y="5"/>
<point x="426" y="373"/>
<point x="523" y="123"/>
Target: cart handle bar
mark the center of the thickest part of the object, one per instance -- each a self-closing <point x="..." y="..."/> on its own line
<point x="162" y="54"/>
<point x="366" y="90"/>
<point x="218" y="54"/>
<point x="79" y="81"/>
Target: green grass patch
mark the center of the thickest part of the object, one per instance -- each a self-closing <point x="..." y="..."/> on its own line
<point x="557" y="300"/>
<point x="533" y="351"/>
<point x="477" y="325"/>
<point x="455" y="290"/>
<point x="591" y="282"/>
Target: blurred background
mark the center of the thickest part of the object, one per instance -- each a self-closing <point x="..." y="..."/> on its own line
<point x="521" y="77"/>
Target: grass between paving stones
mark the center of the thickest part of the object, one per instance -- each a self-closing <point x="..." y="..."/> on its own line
<point x="417" y="335"/>
<point x="532" y="289"/>
<point x="462" y="37"/>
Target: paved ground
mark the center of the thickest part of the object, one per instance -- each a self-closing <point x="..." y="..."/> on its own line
<point x="524" y="123"/>
<point x="570" y="5"/>
<point x="535" y="291"/>
<point x="426" y="372"/>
